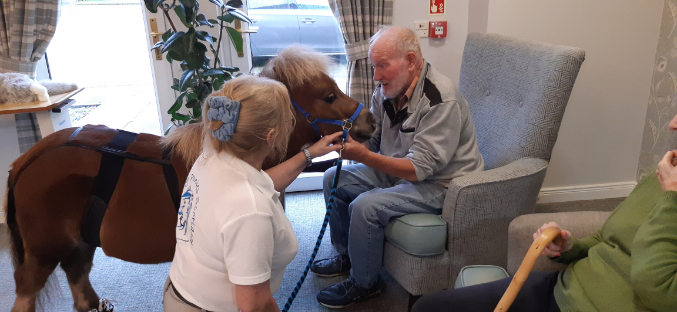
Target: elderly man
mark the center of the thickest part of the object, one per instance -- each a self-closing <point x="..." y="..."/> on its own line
<point x="424" y="138"/>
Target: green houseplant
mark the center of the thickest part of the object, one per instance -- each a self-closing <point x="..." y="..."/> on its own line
<point x="200" y="75"/>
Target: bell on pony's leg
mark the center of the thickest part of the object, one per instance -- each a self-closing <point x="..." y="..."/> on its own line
<point x="30" y="277"/>
<point x="77" y="266"/>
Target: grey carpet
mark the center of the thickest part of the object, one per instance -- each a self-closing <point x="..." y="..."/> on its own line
<point x="138" y="287"/>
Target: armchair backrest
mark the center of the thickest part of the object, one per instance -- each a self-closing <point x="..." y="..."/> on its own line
<point x="517" y="91"/>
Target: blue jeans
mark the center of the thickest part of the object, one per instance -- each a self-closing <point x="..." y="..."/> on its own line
<point x="365" y="203"/>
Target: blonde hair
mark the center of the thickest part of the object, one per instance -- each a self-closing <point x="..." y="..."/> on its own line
<point x="264" y="106"/>
<point x="297" y="65"/>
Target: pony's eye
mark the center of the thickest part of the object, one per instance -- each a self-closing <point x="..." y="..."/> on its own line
<point x="330" y="98"/>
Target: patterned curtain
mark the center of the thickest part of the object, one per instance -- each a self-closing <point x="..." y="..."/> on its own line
<point x="26" y="28"/>
<point x="358" y="21"/>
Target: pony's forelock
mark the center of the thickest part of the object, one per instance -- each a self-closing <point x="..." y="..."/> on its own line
<point x="297" y="65"/>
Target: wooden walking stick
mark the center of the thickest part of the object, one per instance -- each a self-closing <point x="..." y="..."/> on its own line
<point x="534" y="252"/>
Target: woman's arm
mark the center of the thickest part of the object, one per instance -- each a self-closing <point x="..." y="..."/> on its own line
<point x="285" y="173"/>
<point x="255" y="298"/>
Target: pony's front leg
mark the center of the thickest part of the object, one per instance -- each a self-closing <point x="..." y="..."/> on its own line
<point x="30" y="277"/>
<point x="77" y="266"/>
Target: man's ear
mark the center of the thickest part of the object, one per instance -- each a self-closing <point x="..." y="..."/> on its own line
<point x="411" y="60"/>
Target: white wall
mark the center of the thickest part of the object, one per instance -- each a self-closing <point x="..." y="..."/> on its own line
<point x="598" y="146"/>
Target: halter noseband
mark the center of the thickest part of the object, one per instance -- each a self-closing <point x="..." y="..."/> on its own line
<point x="345" y="124"/>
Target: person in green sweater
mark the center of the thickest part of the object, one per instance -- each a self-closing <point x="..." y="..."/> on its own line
<point x="630" y="264"/>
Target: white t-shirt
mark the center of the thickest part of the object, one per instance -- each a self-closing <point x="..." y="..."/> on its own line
<point x="231" y="229"/>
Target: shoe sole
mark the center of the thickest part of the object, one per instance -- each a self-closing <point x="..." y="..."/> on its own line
<point x="331" y="275"/>
<point x="347" y="305"/>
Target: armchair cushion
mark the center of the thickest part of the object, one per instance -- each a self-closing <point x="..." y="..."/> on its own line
<point x="479" y="274"/>
<point x="419" y="234"/>
<point x="579" y="223"/>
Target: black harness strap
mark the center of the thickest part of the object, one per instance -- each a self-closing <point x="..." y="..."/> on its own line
<point x="104" y="184"/>
<point x="171" y="179"/>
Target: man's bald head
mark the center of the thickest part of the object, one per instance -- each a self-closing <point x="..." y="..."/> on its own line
<point x="399" y="40"/>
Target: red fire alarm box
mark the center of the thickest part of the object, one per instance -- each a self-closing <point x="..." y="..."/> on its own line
<point x="437" y="30"/>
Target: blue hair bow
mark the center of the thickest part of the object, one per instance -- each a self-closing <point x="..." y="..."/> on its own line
<point x="225" y="110"/>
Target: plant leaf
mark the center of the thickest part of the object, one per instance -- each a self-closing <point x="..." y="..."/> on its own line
<point x="171" y="42"/>
<point x="212" y="72"/>
<point x="185" y="78"/>
<point x="169" y="128"/>
<point x="213" y="21"/>
<point x="188" y="3"/>
<point x="177" y="104"/>
<point x="175" y="56"/>
<point x="183" y="14"/>
<point x="179" y="116"/>
<point x="191" y="103"/>
<point x="202" y="20"/>
<point x="235" y="38"/>
<point x="239" y="15"/>
<point x="230" y="69"/>
<point x="235" y="3"/>
<point x="197" y="111"/>
<point x="218" y="83"/>
<point x="217" y="2"/>
<point x="226" y="18"/>
<point x="167" y="34"/>
<point x="197" y="57"/>
<point x="157" y="45"/>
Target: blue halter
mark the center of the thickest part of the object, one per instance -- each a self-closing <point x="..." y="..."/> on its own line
<point x="345" y="124"/>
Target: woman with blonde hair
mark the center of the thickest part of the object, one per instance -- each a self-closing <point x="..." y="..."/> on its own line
<point x="233" y="240"/>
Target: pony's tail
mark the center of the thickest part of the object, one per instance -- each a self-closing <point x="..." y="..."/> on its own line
<point x="16" y="242"/>
<point x="186" y="142"/>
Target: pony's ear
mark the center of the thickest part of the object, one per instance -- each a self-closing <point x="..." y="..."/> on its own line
<point x="280" y="76"/>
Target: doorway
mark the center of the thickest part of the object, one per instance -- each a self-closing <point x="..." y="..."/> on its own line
<point x="101" y="45"/>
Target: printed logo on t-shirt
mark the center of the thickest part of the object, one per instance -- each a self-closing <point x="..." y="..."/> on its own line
<point x="186" y="217"/>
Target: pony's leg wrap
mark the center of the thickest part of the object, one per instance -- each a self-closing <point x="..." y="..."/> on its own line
<point x="77" y="266"/>
<point x="30" y="278"/>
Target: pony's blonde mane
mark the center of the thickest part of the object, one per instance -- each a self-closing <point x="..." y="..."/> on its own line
<point x="185" y="142"/>
<point x="297" y="65"/>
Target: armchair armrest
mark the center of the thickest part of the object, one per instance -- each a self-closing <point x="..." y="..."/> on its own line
<point x="579" y="223"/>
<point x="479" y="207"/>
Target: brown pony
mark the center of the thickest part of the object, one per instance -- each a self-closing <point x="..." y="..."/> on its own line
<point x="49" y="186"/>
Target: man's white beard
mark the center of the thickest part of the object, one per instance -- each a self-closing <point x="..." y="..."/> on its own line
<point x="398" y="85"/>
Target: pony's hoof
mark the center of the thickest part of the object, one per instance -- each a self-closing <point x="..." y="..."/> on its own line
<point x="105" y="305"/>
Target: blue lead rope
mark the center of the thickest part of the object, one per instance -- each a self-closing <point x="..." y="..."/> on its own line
<point x="327" y="215"/>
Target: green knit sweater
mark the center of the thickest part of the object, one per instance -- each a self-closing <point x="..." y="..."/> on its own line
<point x="631" y="263"/>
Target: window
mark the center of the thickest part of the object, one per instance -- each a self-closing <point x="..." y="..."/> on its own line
<point x="284" y="22"/>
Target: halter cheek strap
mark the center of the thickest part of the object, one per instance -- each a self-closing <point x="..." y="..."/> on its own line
<point x="346" y="124"/>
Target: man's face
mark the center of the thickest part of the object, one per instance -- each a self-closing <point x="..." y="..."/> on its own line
<point x="389" y="70"/>
<point x="673" y="124"/>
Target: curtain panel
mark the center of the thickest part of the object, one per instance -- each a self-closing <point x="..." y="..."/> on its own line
<point x="358" y="21"/>
<point x="26" y="28"/>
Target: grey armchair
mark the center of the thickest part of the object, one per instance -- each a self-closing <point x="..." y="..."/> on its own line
<point x="517" y="91"/>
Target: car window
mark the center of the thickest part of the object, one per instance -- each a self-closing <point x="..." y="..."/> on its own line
<point x="268" y="4"/>
<point x="312" y="4"/>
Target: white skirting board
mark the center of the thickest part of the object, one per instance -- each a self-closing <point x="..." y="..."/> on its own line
<point x="585" y="192"/>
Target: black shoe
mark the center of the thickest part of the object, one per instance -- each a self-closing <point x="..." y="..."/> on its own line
<point x="346" y="293"/>
<point x="335" y="266"/>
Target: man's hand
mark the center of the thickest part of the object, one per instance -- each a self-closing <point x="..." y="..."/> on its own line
<point x="354" y="150"/>
<point x="554" y="250"/>
<point x="667" y="173"/>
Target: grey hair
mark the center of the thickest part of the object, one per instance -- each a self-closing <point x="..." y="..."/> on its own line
<point x="296" y="66"/>
<point x="403" y="39"/>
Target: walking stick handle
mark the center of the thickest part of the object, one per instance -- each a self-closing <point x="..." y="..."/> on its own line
<point x="548" y="235"/>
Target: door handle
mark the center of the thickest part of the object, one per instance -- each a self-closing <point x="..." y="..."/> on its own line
<point x="308" y="20"/>
<point x="156" y="37"/>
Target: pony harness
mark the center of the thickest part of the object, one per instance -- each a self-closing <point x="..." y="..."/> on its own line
<point x="113" y="157"/>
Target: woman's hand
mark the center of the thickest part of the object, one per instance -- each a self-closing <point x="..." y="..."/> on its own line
<point x="324" y="145"/>
<point x="667" y="173"/>
<point x="555" y="250"/>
